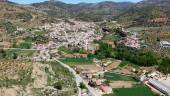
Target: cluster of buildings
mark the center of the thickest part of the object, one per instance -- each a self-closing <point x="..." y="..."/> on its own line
<point x="93" y="74"/>
<point x="73" y="33"/>
<point x="44" y="53"/>
<point x="132" y="41"/>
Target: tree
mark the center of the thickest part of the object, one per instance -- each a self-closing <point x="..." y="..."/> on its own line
<point x="82" y="86"/>
<point x="58" y="85"/>
<point x="14" y="56"/>
<point x="25" y="45"/>
<point x="164" y="66"/>
<point x="2" y="53"/>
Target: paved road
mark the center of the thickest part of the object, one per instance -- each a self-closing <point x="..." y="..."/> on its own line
<point x="79" y="79"/>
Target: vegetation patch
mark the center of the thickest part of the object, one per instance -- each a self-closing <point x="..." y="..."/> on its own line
<point x="25" y="45"/>
<point x="112" y="76"/>
<point x="77" y="61"/>
<point x="72" y="50"/>
<point x="135" y="91"/>
<point x="15" y="53"/>
<point x="123" y="63"/>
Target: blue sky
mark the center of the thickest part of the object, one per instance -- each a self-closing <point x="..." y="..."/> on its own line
<point x="70" y="1"/>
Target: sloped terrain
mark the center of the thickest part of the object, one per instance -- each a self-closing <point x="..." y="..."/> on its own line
<point x="35" y="79"/>
<point x="146" y="13"/>
<point x="20" y="15"/>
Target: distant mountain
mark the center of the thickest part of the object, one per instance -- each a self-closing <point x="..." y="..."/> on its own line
<point x="146" y="13"/>
<point x="83" y="11"/>
<point x="55" y="9"/>
<point x="3" y="0"/>
<point x="156" y="2"/>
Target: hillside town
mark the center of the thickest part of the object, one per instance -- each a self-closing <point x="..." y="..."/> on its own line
<point x="73" y="33"/>
<point x="69" y="48"/>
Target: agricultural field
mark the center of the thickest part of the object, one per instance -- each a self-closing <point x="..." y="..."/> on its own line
<point x="112" y="76"/>
<point x="134" y="91"/>
<point x="77" y="61"/>
<point x="139" y="90"/>
<point x="123" y="63"/>
<point x="19" y="77"/>
<point x="122" y="72"/>
<point x="124" y="83"/>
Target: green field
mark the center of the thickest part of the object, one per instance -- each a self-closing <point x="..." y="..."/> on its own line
<point x="123" y="63"/>
<point x="135" y="91"/>
<point x="77" y="61"/>
<point x="117" y="77"/>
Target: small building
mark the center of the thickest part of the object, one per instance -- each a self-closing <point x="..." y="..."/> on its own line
<point x="106" y="89"/>
<point x="165" y="44"/>
<point x="160" y="86"/>
<point x="143" y="78"/>
<point x="132" y="41"/>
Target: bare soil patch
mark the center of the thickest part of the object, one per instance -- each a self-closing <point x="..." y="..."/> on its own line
<point x="121" y="84"/>
<point x="115" y="64"/>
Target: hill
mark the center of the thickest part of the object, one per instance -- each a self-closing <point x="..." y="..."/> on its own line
<point x="146" y="13"/>
<point x="156" y="2"/>
<point x="20" y="15"/>
<point x="83" y="11"/>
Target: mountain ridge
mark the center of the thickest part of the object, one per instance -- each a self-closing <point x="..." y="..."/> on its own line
<point x="85" y="11"/>
<point x="146" y="13"/>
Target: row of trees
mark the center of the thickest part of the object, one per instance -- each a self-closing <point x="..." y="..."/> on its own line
<point x="105" y="51"/>
<point x="138" y="57"/>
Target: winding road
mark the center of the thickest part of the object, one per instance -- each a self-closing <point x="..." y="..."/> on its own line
<point x="79" y="79"/>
